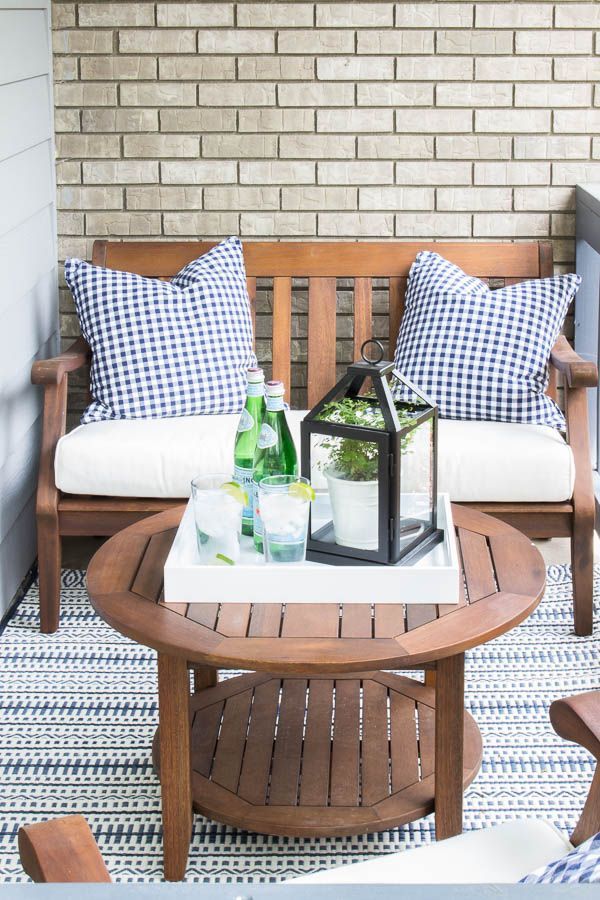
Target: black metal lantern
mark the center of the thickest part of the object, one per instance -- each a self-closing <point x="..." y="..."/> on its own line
<point x="369" y="448"/>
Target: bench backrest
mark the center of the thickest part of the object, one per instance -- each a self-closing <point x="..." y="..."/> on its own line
<point x="322" y="263"/>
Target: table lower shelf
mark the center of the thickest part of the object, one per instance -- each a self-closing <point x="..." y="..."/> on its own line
<point x="311" y="757"/>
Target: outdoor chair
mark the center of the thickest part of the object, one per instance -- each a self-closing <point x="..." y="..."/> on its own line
<point x="104" y="476"/>
<point x="64" y="850"/>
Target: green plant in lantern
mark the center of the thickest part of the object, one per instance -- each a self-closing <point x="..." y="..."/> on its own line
<point x="356" y="460"/>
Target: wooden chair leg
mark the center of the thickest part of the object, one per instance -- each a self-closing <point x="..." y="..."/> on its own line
<point x="584" y="511"/>
<point x="582" y="569"/>
<point x="49" y="562"/>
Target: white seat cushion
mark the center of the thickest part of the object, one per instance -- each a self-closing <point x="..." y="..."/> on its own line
<point x="478" y="461"/>
<point x="499" y="855"/>
<point x="504" y="461"/>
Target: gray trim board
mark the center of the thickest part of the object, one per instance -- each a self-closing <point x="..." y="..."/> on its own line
<point x="300" y="892"/>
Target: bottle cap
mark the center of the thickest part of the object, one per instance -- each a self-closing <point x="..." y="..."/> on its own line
<point x="275" y="389"/>
<point x="255" y="376"/>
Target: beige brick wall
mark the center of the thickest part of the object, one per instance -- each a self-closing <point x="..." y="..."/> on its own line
<point x="329" y="120"/>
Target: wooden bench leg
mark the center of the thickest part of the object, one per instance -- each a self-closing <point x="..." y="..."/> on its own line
<point x="175" y="763"/>
<point x="584" y="511"/>
<point x="49" y="561"/>
<point x="582" y="570"/>
<point x="449" y="745"/>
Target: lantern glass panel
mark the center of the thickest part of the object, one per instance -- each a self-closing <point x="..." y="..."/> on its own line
<point x="346" y="508"/>
<point x="416" y="482"/>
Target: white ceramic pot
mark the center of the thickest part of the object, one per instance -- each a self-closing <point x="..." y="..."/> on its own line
<point x="355" y="509"/>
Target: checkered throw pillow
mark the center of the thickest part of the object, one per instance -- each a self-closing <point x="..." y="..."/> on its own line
<point x="580" y="866"/>
<point x="480" y="353"/>
<point x="162" y="349"/>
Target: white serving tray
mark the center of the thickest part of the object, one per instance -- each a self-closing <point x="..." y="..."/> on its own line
<point x="433" y="579"/>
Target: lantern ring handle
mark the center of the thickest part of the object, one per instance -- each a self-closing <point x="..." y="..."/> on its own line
<point x="366" y="356"/>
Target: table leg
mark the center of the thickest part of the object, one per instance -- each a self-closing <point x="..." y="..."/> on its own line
<point x="449" y="745"/>
<point x="175" y="763"/>
<point x="204" y="677"/>
<point x="430" y="678"/>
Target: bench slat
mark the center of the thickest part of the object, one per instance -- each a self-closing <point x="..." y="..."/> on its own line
<point x="251" y="286"/>
<point x="363" y="307"/>
<point x="282" y="332"/>
<point x="397" y="292"/>
<point x="321" y="337"/>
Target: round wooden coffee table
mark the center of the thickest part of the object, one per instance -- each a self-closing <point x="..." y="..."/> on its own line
<point x="318" y="740"/>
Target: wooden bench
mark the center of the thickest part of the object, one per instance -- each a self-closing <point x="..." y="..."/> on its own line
<point x="61" y="514"/>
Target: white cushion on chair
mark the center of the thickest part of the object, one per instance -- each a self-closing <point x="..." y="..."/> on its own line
<point x="479" y="461"/>
<point x="145" y="457"/>
<point x="496" y="855"/>
<point x="504" y="461"/>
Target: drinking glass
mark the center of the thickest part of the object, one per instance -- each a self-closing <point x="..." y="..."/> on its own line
<point x="218" y="504"/>
<point x="284" y="502"/>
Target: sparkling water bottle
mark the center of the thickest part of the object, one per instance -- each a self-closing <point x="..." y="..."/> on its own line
<point x="246" y="438"/>
<point x="275" y="452"/>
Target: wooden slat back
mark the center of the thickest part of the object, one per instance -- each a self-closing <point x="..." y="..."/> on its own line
<point x="321" y="337"/>
<point x="396" y="311"/>
<point x="251" y="285"/>
<point x="282" y="331"/>
<point x="363" y="309"/>
<point x="552" y="389"/>
<point x="322" y="263"/>
<point x="340" y="259"/>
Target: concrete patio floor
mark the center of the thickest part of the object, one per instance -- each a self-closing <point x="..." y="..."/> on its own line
<point x="558" y="550"/>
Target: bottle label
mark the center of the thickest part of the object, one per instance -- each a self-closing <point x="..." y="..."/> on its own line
<point x="255" y="389"/>
<point x="243" y="476"/>
<point x="258" y="525"/>
<point x="246" y="422"/>
<point x="275" y="404"/>
<point x="267" y="437"/>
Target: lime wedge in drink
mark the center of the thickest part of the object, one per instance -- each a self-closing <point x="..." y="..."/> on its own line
<point x="224" y="559"/>
<point x="302" y="491"/>
<point x="236" y="491"/>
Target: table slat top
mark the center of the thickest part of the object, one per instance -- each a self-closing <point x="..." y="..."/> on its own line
<point x="503" y="581"/>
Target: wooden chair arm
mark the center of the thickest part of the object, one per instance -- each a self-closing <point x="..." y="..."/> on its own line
<point x="52" y="371"/>
<point x="578" y="372"/>
<point x="577" y="719"/>
<point x="61" y="850"/>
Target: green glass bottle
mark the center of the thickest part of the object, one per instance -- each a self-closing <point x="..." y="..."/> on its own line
<point x="275" y="451"/>
<point x="246" y="438"/>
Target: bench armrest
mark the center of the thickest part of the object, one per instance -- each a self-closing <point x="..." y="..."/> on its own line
<point x="52" y="374"/>
<point x="61" y="850"/>
<point x="52" y="371"/>
<point x="577" y="719"/>
<point x="578" y="372"/>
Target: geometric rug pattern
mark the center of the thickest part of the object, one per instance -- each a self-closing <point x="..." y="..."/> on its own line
<point x="78" y="711"/>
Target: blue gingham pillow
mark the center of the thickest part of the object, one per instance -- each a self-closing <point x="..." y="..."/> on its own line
<point x="160" y="349"/>
<point x="482" y="354"/>
<point x="580" y="866"/>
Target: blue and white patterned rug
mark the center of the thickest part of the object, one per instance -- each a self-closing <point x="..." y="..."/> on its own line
<point x="78" y="712"/>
